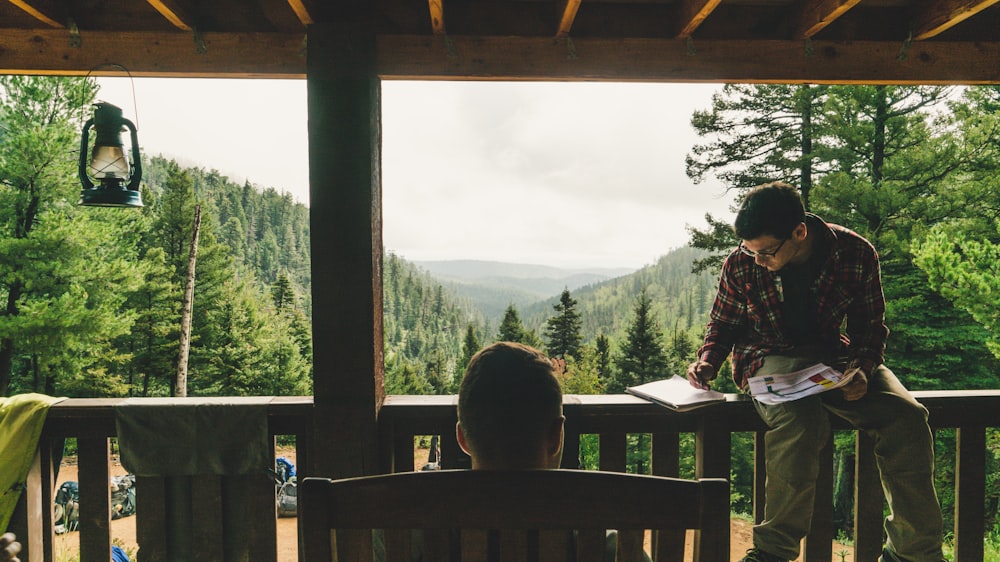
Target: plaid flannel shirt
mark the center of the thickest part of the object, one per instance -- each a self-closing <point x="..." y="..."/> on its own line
<point x="746" y="316"/>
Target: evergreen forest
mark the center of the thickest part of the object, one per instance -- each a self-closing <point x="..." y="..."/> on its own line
<point x="92" y="297"/>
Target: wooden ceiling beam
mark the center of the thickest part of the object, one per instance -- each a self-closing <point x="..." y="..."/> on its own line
<point x="690" y="14"/>
<point x="174" y="12"/>
<point x="670" y="60"/>
<point x="436" y="9"/>
<point x="939" y="16"/>
<point x="279" y="55"/>
<point x="304" y="10"/>
<point x="230" y="55"/>
<point x="47" y="12"/>
<point x="811" y="16"/>
<point x="567" y="14"/>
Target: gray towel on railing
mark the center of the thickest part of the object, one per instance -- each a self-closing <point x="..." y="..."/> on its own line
<point x="193" y="436"/>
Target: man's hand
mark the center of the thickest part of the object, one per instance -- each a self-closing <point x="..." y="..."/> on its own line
<point x="700" y="373"/>
<point x="858" y="386"/>
<point x="9" y="547"/>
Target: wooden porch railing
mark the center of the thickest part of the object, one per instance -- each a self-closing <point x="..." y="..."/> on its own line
<point x="253" y="535"/>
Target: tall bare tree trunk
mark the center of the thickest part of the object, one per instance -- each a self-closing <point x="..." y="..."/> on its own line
<point x="186" y="306"/>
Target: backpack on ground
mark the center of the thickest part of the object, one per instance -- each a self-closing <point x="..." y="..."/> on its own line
<point x="283" y="469"/>
<point x="288" y="498"/>
<point x="122" y="496"/>
<point x="67" y="508"/>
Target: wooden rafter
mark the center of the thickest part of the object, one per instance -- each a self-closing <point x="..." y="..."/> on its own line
<point x="939" y="16"/>
<point x="813" y="15"/>
<point x="42" y="11"/>
<point x="690" y="14"/>
<point x="174" y="13"/>
<point x="566" y="16"/>
<point x="436" y="8"/>
<point x="302" y="10"/>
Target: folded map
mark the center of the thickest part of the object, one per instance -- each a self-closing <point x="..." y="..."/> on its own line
<point x="784" y="387"/>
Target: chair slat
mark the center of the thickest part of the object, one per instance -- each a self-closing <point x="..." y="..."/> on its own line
<point x="527" y="509"/>
<point x="475" y="545"/>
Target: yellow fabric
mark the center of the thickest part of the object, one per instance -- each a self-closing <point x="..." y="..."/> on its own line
<point x="21" y="420"/>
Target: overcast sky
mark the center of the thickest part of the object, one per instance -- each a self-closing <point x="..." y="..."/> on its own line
<point x="566" y="174"/>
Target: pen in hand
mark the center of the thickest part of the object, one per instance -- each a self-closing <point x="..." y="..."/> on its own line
<point x="700" y="374"/>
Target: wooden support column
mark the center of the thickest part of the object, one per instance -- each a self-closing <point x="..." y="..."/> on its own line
<point x="344" y="99"/>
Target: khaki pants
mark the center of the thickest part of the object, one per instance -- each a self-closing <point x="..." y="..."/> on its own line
<point x="904" y="452"/>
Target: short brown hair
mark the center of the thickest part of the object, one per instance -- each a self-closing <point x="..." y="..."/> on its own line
<point x="772" y="208"/>
<point x="508" y="400"/>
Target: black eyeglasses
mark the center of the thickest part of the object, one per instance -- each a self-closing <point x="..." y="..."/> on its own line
<point x="763" y="254"/>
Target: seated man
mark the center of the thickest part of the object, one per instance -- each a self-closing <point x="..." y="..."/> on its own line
<point x="510" y="413"/>
<point x="510" y="410"/>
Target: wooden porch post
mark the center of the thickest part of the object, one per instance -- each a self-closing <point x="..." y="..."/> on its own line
<point x="344" y="100"/>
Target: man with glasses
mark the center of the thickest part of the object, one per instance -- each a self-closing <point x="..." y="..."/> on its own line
<point x="784" y="295"/>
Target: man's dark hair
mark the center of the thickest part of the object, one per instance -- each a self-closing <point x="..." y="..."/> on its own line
<point x="508" y="400"/>
<point x="771" y="209"/>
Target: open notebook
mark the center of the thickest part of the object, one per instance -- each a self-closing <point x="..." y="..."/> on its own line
<point x="676" y="393"/>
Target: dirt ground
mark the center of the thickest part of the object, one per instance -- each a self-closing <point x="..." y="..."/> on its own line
<point x="123" y="530"/>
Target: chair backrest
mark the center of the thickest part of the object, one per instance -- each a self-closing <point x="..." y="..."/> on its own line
<point x="544" y="515"/>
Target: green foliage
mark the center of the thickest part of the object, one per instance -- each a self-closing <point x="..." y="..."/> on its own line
<point x="430" y="334"/>
<point x="642" y="358"/>
<point x="563" y="330"/>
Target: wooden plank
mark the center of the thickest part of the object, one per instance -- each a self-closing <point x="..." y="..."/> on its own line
<point x="174" y="12"/>
<point x="151" y="518"/>
<point x="248" y="518"/>
<point x="942" y="15"/>
<point x="344" y="100"/>
<point x="970" y="489"/>
<point x="44" y="11"/>
<point x="759" y="476"/>
<point x="95" y="499"/>
<point x="612" y="449"/>
<point x="667" y="545"/>
<point x="234" y="55"/>
<point x="690" y="14"/>
<point x="868" y="500"/>
<point x="670" y="60"/>
<point x="302" y="9"/>
<point x="208" y="538"/>
<point x="436" y="9"/>
<point x="813" y="16"/>
<point x="713" y="450"/>
<point x="567" y="13"/>
<point x="571" y="449"/>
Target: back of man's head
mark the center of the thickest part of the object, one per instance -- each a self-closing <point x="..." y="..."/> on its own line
<point x="510" y="409"/>
<point x="770" y="209"/>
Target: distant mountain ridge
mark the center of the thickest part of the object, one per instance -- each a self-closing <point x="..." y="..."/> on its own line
<point x="494" y="285"/>
<point x="484" y="269"/>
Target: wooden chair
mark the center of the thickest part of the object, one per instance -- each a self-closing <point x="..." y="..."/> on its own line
<point x="540" y="515"/>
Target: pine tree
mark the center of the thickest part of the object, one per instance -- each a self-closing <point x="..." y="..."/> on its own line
<point x="563" y="329"/>
<point x="511" y="328"/>
<point x="470" y="346"/>
<point x="642" y="358"/>
<point x="282" y="294"/>
<point x="65" y="271"/>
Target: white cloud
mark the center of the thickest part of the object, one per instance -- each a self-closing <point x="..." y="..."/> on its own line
<point x="559" y="173"/>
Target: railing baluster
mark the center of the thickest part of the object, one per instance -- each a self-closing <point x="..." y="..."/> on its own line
<point x="759" y="476"/>
<point x="970" y="491"/>
<point x="571" y="450"/>
<point x="95" y="499"/>
<point x="712" y="447"/>
<point x="667" y="545"/>
<point x="612" y="448"/>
